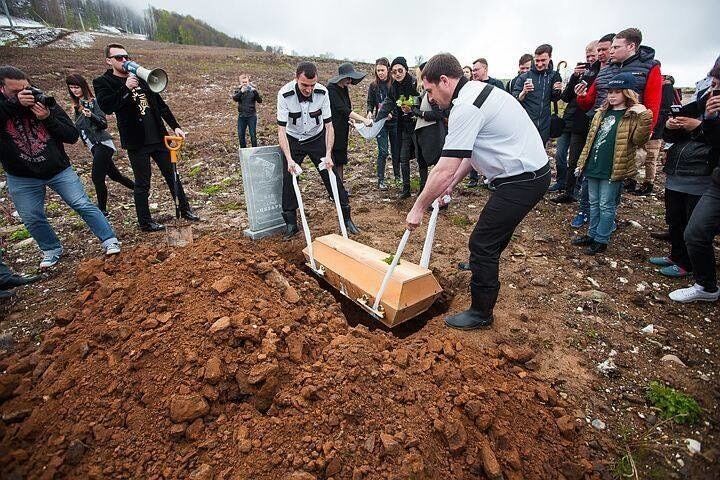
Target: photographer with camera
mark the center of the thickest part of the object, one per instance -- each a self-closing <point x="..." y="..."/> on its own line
<point x="33" y="129"/>
<point x="246" y="97"/>
<point x="91" y="123"/>
<point x="140" y="113"/>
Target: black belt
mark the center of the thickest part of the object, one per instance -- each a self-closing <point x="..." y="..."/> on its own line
<point x="307" y="140"/>
<point x="522" y="177"/>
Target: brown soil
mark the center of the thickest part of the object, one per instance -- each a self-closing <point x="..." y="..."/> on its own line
<point x="218" y="359"/>
<point x="569" y="309"/>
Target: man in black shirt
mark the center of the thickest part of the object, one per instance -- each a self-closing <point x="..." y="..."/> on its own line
<point x="140" y="114"/>
<point x="247" y="96"/>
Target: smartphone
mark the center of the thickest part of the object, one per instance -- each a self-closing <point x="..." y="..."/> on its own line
<point x="716" y="92"/>
<point x="583" y="65"/>
<point x="675" y="110"/>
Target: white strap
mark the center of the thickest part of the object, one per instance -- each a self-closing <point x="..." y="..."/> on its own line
<point x="336" y="197"/>
<point x="306" y="229"/>
<point x="389" y="273"/>
<point x="430" y="236"/>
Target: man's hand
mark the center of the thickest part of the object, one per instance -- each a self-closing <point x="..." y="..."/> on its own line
<point x="40" y="111"/>
<point x="132" y="82"/>
<point x="637" y="108"/>
<point x="368" y="122"/>
<point x="293" y="167"/>
<point x="557" y="86"/>
<point x="672" y="124"/>
<point x="26" y="98"/>
<point x="528" y="87"/>
<point x="580" y="89"/>
<point x="370" y="115"/>
<point x="328" y="161"/>
<point x="713" y="105"/>
<point x="578" y="172"/>
<point x="688" y="124"/>
<point x="180" y="133"/>
<point x="414" y="217"/>
<point x="389" y="117"/>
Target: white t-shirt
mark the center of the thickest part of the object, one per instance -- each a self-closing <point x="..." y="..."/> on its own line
<point x="499" y="137"/>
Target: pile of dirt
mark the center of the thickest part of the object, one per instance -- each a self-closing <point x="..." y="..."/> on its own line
<point x="223" y="361"/>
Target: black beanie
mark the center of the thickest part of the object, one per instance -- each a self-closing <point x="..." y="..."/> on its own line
<point x="399" y="61"/>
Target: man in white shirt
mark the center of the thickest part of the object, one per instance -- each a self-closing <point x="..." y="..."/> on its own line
<point x="305" y="129"/>
<point x="490" y="132"/>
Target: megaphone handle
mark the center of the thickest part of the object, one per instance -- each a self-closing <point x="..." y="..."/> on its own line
<point x="393" y="264"/>
<point x="306" y="228"/>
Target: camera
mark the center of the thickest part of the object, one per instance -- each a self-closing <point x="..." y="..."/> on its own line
<point x="42" y="98"/>
<point x="582" y="64"/>
<point x="86" y="104"/>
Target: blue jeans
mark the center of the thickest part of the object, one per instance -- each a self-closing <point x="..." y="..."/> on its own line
<point x="383" y="143"/>
<point x="245" y="123"/>
<point x="582" y="195"/>
<point x="28" y="195"/>
<point x="603" y="195"/>
<point x="561" y="155"/>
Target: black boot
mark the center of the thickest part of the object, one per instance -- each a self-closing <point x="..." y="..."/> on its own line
<point x="629" y="184"/>
<point x="188" y="214"/>
<point x="291" y="228"/>
<point x="480" y="313"/>
<point x="349" y="225"/>
<point x="645" y="189"/>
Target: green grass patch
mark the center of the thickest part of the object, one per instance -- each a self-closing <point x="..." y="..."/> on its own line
<point x="19" y="235"/>
<point x="231" y="206"/>
<point x="211" y="190"/>
<point x="673" y="404"/>
<point x="415" y="183"/>
<point x="195" y="171"/>
<point x="460" y="220"/>
<point x="52" y="208"/>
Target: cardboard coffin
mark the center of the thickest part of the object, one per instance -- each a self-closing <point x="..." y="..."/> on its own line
<point x="357" y="271"/>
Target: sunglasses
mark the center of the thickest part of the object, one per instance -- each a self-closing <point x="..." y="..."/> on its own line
<point x="120" y="58"/>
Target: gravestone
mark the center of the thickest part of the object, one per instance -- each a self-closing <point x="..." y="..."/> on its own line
<point x="262" y="175"/>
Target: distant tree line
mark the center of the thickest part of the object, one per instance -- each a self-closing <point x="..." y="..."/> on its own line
<point x="157" y="24"/>
<point x="165" y="26"/>
<point x="80" y="14"/>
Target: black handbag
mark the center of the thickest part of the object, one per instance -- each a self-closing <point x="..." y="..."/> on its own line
<point x="557" y="124"/>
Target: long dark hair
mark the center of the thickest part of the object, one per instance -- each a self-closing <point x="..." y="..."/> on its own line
<point x="79" y="81"/>
<point x="382" y="61"/>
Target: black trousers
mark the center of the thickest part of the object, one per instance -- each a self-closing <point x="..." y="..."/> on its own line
<point x="315" y="149"/>
<point x="577" y="143"/>
<point x="704" y="224"/>
<point x="394" y="139"/>
<point x="678" y="209"/>
<point x="505" y="209"/>
<point x="103" y="166"/>
<point x="140" y="163"/>
<point x="407" y="151"/>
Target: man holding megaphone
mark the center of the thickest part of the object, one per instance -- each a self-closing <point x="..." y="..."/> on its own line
<point x="131" y="92"/>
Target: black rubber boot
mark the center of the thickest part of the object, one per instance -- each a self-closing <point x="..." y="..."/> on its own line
<point x="349" y="225"/>
<point x="480" y="313"/>
<point x="291" y="228"/>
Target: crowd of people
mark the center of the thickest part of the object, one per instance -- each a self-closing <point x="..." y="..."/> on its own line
<point x="457" y="124"/>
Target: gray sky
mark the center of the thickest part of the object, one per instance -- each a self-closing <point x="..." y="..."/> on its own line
<point x="683" y="33"/>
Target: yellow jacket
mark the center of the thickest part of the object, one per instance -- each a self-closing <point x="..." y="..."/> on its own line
<point x="633" y="131"/>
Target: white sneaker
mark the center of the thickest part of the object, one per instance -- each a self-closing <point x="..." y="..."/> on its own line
<point x="112" y="248"/>
<point x="50" y="258"/>
<point x="693" y="294"/>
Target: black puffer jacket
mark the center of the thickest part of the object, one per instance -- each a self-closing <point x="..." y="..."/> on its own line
<point x="575" y="119"/>
<point x="93" y="129"/>
<point x="695" y="153"/>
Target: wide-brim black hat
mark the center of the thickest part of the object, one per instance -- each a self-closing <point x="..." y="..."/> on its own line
<point x="346" y="70"/>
